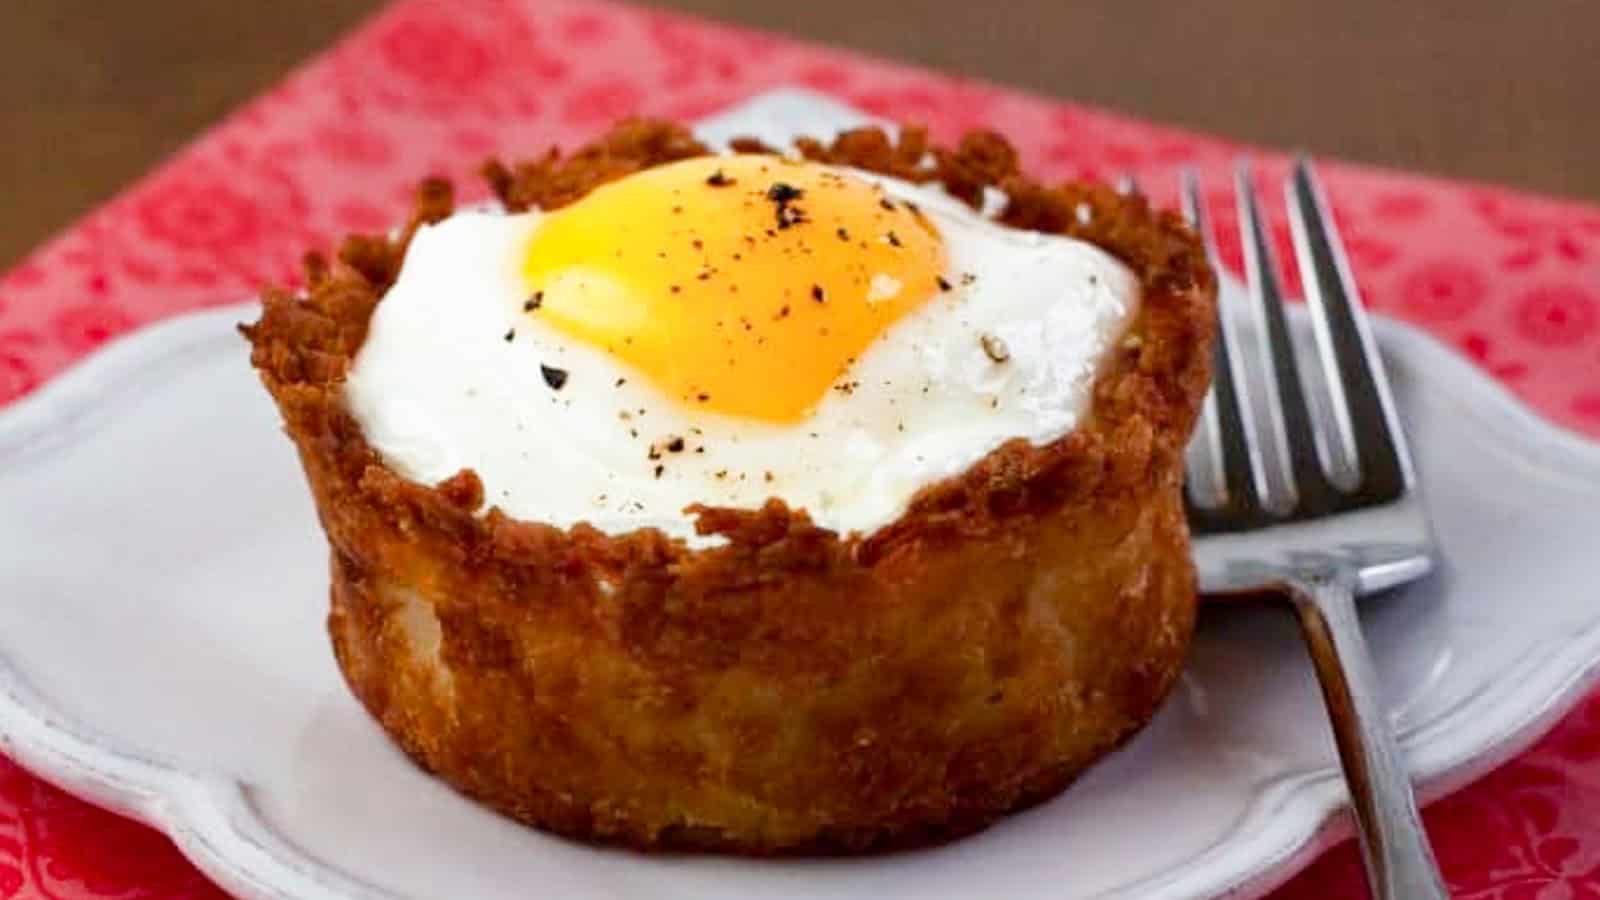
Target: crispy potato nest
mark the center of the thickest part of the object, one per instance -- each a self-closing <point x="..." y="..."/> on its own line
<point x="792" y="689"/>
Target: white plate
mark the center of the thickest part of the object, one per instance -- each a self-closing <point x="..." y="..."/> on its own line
<point x="163" y="585"/>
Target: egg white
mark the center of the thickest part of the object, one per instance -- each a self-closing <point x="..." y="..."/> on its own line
<point x="450" y="377"/>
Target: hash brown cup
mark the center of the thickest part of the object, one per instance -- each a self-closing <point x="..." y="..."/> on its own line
<point x="791" y="689"/>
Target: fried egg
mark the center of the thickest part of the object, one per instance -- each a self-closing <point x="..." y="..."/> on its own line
<point x="726" y="329"/>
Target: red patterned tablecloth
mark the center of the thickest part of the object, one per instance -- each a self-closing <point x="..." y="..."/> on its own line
<point x="433" y="87"/>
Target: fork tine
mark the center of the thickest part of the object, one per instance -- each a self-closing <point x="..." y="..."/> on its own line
<point x="1362" y="403"/>
<point x="1294" y="475"/>
<point x="1222" y="461"/>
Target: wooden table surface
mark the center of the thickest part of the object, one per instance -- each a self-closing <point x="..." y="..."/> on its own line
<point x="93" y="92"/>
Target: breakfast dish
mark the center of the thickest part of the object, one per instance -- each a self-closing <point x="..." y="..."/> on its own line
<point x="757" y="502"/>
<point x="298" y="793"/>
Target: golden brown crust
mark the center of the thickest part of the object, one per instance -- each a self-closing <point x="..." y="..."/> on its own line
<point x="843" y="709"/>
<point x="792" y="688"/>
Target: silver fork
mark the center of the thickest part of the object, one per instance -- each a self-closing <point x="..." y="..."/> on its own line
<point x="1311" y="495"/>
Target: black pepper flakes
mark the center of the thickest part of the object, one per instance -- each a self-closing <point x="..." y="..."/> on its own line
<point x="944" y="285"/>
<point x="784" y="196"/>
<point x="886" y="203"/>
<point x="511" y="335"/>
<point x="554" y="377"/>
<point x="843" y="234"/>
<point x="675" y="444"/>
<point x="534" y="302"/>
<point x="659" y="470"/>
<point x="702" y="396"/>
<point x="818" y="294"/>
<point x="719" y="178"/>
<point x="994" y="348"/>
<point x="782" y="192"/>
<point x="893" y="239"/>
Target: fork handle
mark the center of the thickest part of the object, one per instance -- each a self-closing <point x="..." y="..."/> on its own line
<point x="1394" y="846"/>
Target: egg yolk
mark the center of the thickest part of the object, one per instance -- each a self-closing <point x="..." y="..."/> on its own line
<point x="745" y="285"/>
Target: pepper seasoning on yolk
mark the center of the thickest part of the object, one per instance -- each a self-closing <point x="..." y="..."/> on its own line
<point x="744" y="285"/>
